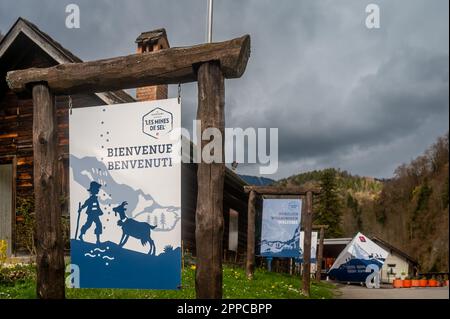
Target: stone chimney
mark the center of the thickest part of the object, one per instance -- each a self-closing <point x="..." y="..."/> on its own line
<point x="152" y="41"/>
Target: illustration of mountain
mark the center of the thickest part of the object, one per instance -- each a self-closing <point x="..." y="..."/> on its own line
<point x="277" y="248"/>
<point x="257" y="180"/>
<point x="140" y="205"/>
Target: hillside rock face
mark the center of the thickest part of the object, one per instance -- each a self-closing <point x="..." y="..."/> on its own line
<point x="410" y="211"/>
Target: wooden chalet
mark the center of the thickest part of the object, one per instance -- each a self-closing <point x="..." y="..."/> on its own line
<point x="25" y="46"/>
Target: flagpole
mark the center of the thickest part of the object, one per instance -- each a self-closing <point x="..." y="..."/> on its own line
<point x="210" y="21"/>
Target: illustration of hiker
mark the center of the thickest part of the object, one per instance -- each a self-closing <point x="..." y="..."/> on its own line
<point x="93" y="212"/>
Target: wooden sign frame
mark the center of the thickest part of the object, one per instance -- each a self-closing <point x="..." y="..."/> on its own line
<point x="307" y="223"/>
<point x="208" y="64"/>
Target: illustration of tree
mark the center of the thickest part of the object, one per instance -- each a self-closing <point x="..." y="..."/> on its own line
<point x="163" y="221"/>
<point x="155" y="220"/>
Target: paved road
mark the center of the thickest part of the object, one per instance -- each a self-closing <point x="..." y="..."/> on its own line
<point x="387" y="292"/>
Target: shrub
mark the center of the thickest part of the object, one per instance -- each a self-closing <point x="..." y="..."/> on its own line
<point x="12" y="274"/>
<point x="188" y="259"/>
<point x="65" y="222"/>
<point x="3" y="250"/>
<point x="25" y="228"/>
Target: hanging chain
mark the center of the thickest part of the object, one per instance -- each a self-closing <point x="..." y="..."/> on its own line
<point x="179" y="93"/>
<point x="70" y="105"/>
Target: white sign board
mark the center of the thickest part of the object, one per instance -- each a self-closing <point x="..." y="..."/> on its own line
<point x="280" y="234"/>
<point x="125" y="195"/>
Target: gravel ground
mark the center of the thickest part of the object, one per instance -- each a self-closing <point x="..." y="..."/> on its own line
<point x="387" y="292"/>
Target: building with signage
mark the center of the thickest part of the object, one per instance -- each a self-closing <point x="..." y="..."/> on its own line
<point x="396" y="263"/>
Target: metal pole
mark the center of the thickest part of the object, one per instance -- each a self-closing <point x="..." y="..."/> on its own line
<point x="210" y="21"/>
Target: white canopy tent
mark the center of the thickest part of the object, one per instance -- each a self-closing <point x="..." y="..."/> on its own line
<point x="352" y="264"/>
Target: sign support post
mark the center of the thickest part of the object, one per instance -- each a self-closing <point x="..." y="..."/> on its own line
<point x="320" y="253"/>
<point x="210" y="180"/>
<point x="269" y="263"/>
<point x="250" y="264"/>
<point x="307" y="224"/>
<point x="49" y="242"/>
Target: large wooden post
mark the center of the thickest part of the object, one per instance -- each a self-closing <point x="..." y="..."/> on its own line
<point x="307" y="223"/>
<point x="209" y="215"/>
<point x="320" y="254"/>
<point x="49" y="243"/>
<point x="250" y="266"/>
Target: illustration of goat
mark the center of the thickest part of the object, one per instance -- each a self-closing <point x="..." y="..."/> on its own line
<point x="133" y="228"/>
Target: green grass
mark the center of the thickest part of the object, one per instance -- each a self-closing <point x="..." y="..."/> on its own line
<point x="264" y="285"/>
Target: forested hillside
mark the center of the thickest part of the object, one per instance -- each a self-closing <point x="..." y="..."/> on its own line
<point x="410" y="210"/>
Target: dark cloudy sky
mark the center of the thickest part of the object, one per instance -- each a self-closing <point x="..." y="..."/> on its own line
<point x="341" y="95"/>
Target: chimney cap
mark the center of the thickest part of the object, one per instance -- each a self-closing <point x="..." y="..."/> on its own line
<point x="152" y="36"/>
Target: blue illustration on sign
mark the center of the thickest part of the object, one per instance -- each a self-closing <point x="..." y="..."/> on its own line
<point x="93" y="212"/>
<point x="87" y="169"/>
<point x="280" y="233"/>
<point x="103" y="264"/>
<point x="133" y="228"/>
<point x="157" y="122"/>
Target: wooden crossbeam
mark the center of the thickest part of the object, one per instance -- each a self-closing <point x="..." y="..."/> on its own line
<point x="275" y="190"/>
<point x="169" y="66"/>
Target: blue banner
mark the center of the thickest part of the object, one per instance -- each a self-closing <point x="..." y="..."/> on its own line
<point x="280" y="233"/>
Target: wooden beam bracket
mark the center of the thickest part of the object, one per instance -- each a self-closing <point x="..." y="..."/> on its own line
<point x="168" y="66"/>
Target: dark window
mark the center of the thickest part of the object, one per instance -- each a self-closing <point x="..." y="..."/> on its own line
<point x="233" y="230"/>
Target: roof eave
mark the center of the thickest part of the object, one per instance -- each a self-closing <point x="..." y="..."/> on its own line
<point x="56" y="51"/>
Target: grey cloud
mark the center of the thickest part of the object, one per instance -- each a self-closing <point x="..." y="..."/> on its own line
<point x="340" y="94"/>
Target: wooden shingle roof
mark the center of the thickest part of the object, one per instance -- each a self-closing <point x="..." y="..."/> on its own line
<point x="56" y="51"/>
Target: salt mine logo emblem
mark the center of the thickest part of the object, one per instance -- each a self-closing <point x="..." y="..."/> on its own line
<point x="293" y="205"/>
<point x="157" y="123"/>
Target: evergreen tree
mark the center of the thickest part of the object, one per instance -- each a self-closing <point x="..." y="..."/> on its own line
<point x="329" y="208"/>
<point x="356" y="210"/>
